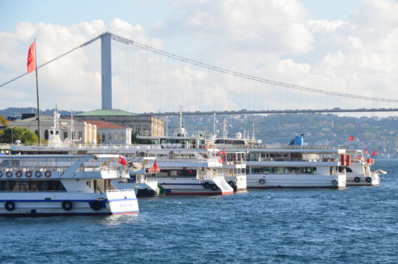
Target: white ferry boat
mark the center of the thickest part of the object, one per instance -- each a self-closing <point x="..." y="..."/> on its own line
<point x="139" y="169"/>
<point x="191" y="172"/>
<point x="47" y="185"/>
<point x="182" y="171"/>
<point x="293" y="166"/>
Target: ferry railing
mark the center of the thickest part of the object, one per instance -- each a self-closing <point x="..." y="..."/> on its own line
<point x="193" y="161"/>
<point x="228" y="146"/>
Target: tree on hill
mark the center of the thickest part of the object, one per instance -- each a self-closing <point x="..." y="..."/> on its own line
<point x="3" y="121"/>
<point x="17" y="133"/>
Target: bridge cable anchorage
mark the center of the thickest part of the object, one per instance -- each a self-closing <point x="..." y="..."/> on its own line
<point x="250" y="77"/>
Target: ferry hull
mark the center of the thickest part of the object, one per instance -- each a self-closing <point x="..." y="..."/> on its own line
<point x="259" y="181"/>
<point x="238" y="183"/>
<point x="177" y="186"/>
<point x="68" y="203"/>
<point x="362" y="180"/>
<point x="147" y="189"/>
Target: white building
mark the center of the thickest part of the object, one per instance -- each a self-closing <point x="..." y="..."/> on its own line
<point x="81" y="132"/>
<point x="110" y="133"/>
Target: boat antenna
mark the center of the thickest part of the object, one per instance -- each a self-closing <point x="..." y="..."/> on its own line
<point x="253" y="131"/>
<point x="214" y="123"/>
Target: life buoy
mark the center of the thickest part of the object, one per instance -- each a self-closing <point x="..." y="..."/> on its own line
<point x="231" y="183"/>
<point x="38" y="174"/>
<point x="47" y="174"/>
<point x="335" y="182"/>
<point x="9" y="206"/>
<point x="28" y="174"/>
<point x="368" y="179"/>
<point x="261" y="181"/>
<point x="214" y="187"/>
<point x="206" y="185"/>
<point x="1" y="174"/>
<point x="18" y="174"/>
<point x="67" y="205"/>
<point x="9" y="174"/>
<point x="96" y="205"/>
<point x="357" y="179"/>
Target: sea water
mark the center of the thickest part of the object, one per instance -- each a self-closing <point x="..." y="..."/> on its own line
<point x="354" y="225"/>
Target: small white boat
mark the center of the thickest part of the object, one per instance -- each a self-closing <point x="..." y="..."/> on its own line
<point x="358" y="169"/>
<point x="48" y="185"/>
<point x="190" y="171"/>
<point x="139" y="169"/>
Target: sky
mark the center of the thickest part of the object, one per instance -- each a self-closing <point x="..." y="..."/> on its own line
<point x="341" y="46"/>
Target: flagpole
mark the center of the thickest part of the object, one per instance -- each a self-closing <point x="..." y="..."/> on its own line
<point x="37" y="92"/>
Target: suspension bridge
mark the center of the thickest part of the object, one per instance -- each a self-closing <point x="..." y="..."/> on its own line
<point x="143" y="79"/>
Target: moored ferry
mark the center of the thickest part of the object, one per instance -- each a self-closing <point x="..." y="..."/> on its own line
<point x="180" y="171"/>
<point x="294" y="167"/>
<point x="47" y="185"/>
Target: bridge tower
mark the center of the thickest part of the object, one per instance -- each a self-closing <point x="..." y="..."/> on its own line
<point x="106" y="71"/>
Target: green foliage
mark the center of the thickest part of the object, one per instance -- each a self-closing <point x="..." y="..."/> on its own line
<point x="3" y="121"/>
<point x="17" y="133"/>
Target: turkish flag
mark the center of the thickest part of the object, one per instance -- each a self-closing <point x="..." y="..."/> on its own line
<point x="31" y="58"/>
<point x="351" y="138"/>
<point x="122" y="161"/>
<point x="366" y="151"/>
<point x="223" y="152"/>
<point x="374" y="153"/>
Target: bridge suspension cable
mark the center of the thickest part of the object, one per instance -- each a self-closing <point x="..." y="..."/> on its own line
<point x="214" y="68"/>
<point x="246" y="76"/>
<point x="48" y="62"/>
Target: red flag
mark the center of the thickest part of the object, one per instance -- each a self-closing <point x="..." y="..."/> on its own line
<point x="351" y="138"/>
<point x="155" y="166"/>
<point x="122" y="160"/>
<point x="223" y="152"/>
<point x="359" y="157"/>
<point x="374" y="153"/>
<point x="219" y="154"/>
<point x="366" y="151"/>
<point x="31" y="58"/>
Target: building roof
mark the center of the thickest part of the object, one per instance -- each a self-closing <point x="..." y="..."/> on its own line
<point x="107" y="112"/>
<point x="103" y="124"/>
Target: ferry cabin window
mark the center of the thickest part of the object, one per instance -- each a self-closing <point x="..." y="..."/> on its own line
<point x="29" y="186"/>
<point x="282" y="170"/>
<point x="177" y="173"/>
<point x="347" y="170"/>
